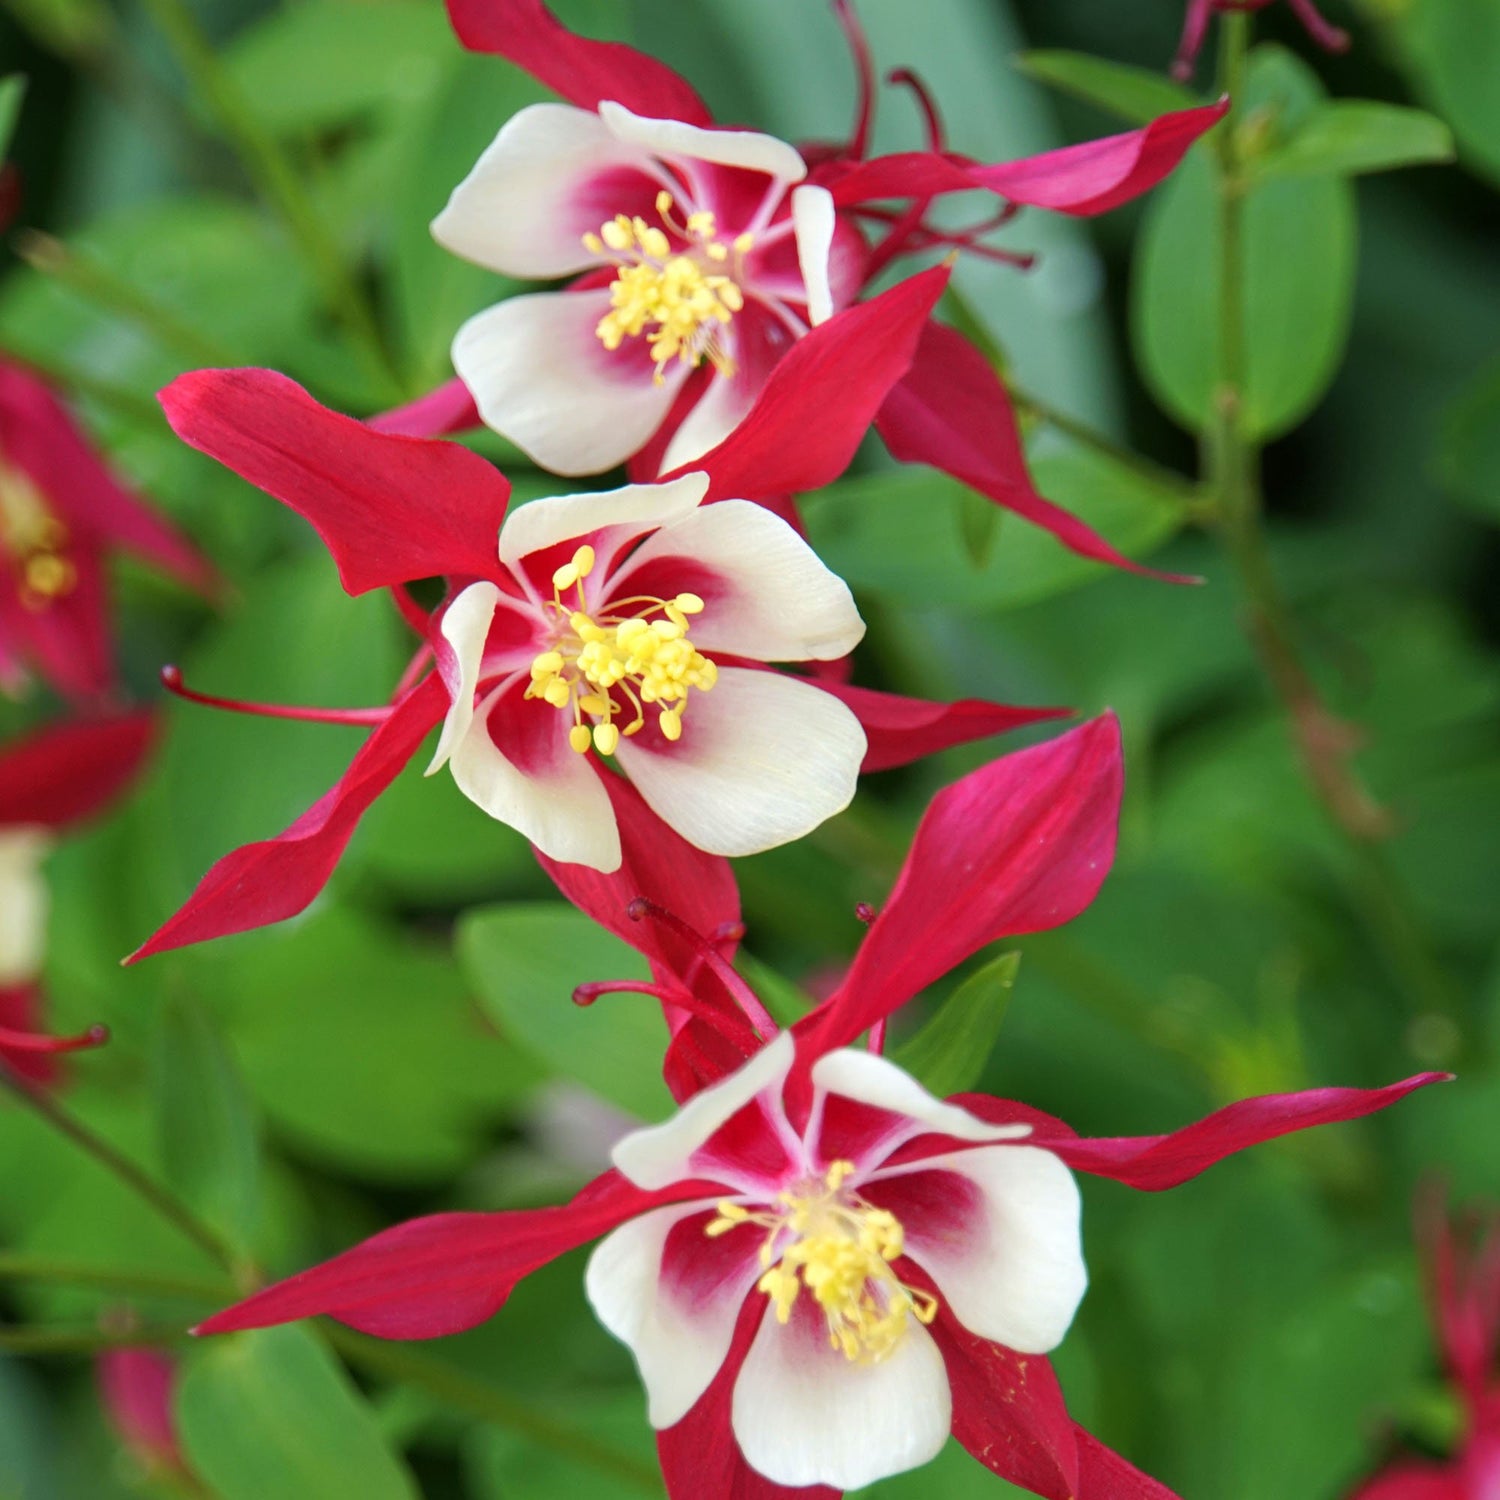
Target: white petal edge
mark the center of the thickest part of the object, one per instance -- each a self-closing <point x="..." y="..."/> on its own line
<point x="724" y="404"/>
<point x="545" y="522"/>
<point x="514" y="212"/>
<point x="802" y="1414"/>
<point x="566" y="814"/>
<point x="763" y="760"/>
<point x="662" y="1154"/>
<point x="812" y="223"/>
<point x="1018" y="1276"/>
<point x="677" y="1349"/>
<point x="466" y="627"/>
<point x="784" y="605"/>
<point x="725" y="148"/>
<point x="541" y="378"/>
<point x="871" y="1079"/>
<point x="24" y="902"/>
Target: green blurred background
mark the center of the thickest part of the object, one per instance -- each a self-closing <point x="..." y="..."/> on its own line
<point x="1258" y="1333"/>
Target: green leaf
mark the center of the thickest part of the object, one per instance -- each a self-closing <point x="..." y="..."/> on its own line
<point x="1349" y="136"/>
<point x="1135" y="94"/>
<point x="525" y="961"/>
<point x="1455" y="49"/>
<point x="1469" y="455"/>
<point x="205" y="1122"/>
<point x="28" y="1444"/>
<point x="1299" y="258"/>
<point x="273" y="1416"/>
<point x="948" y="1054"/>
<point x="12" y="92"/>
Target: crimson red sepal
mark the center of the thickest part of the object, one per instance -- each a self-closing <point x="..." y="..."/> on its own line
<point x="821" y="397"/>
<point x="1020" y="845"/>
<point x="1009" y="1413"/>
<point x="658" y="863"/>
<point x="73" y="770"/>
<point x="1104" y="1475"/>
<point x="952" y="412"/>
<point x="901" y="730"/>
<point x="440" y="413"/>
<point x="390" y="509"/>
<point x="71" y="642"/>
<point x="1153" y="1163"/>
<point x="1096" y="176"/>
<point x="267" y="882"/>
<point x="699" y="1456"/>
<point x="583" y="71"/>
<point x="39" y="437"/>
<point x="445" y="1273"/>
<point x="1416" y="1480"/>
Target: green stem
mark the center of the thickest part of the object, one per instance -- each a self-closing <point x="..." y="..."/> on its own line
<point x="490" y="1404"/>
<point x="278" y="182"/>
<point x="114" y="1279"/>
<point x="144" y="1187"/>
<point x="1324" y="742"/>
<point x="88" y="1339"/>
<point x="129" y="403"/>
<point x="94" y="282"/>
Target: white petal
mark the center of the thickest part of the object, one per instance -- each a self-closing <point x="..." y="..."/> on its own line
<point x="558" y="801"/>
<point x="726" y="148"/>
<point x="779" y="602"/>
<point x="803" y="1414"/>
<point x="541" y="378"/>
<point x="874" y="1080"/>
<point x="466" y="627"/>
<point x="544" y="523"/>
<point x="662" y="1154"/>
<point x="678" y="1335"/>
<point x="1016" y="1275"/>
<point x="763" y="759"/>
<point x="724" y="404"/>
<point x="812" y="221"/>
<point x="24" y="902"/>
<point x="535" y="193"/>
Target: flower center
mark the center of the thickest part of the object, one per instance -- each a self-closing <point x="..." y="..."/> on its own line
<point x="35" y="539"/>
<point x="680" y="299"/>
<point x="840" y="1249"/>
<point x="645" y="656"/>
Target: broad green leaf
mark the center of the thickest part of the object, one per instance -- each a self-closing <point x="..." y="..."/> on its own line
<point x="1135" y="94"/>
<point x="948" y="1055"/>
<point x="1455" y="48"/>
<point x="1299" y="243"/>
<point x="205" y="1121"/>
<point x="525" y="961"/>
<point x="272" y="1415"/>
<point x="1348" y="136"/>
<point x="12" y="92"/>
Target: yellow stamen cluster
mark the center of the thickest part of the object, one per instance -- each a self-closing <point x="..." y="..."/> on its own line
<point x="36" y="541"/>
<point x="650" y="661"/>
<point x="678" y="295"/>
<point x="841" y="1252"/>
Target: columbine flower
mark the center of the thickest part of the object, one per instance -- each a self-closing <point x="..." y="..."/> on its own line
<point x="136" y="1391"/>
<point x="50" y="781"/>
<point x="61" y="513"/>
<point x="821" y="1269"/>
<point x="630" y="626"/>
<point x="1463" y="1284"/>
<point x="703" y="256"/>
<point x="1199" y="12"/>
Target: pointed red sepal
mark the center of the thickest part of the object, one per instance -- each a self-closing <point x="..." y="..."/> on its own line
<point x="822" y="396"/>
<point x="445" y="1273"/>
<point x="440" y="413"/>
<point x="73" y="770"/>
<point x="1020" y="845"/>
<point x="699" y="1456"/>
<point x="390" y="509"/>
<point x="267" y="882"/>
<point x="952" y="412"/>
<point x="583" y="71"/>
<point x="1104" y="1475"/>
<point x="901" y="730"/>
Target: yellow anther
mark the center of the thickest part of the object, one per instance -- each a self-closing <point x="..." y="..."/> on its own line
<point x="664" y="203"/>
<point x="580" y="737"/>
<point x="743" y="243"/>
<point x="557" y="693"/>
<point x="548" y="664"/>
<point x="670" y="724"/>
<point x="701" y="224"/>
<point x="689" y="604"/>
<point x="606" y="737"/>
<point x="34" y="541"/>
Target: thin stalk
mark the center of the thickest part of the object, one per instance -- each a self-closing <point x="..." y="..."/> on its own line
<point x="94" y="282"/>
<point x="144" y="1187"/>
<point x="113" y="1279"/>
<point x="87" y="1338"/>
<point x="490" y="1404"/>
<point x="1324" y="742"/>
<point x="278" y="182"/>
